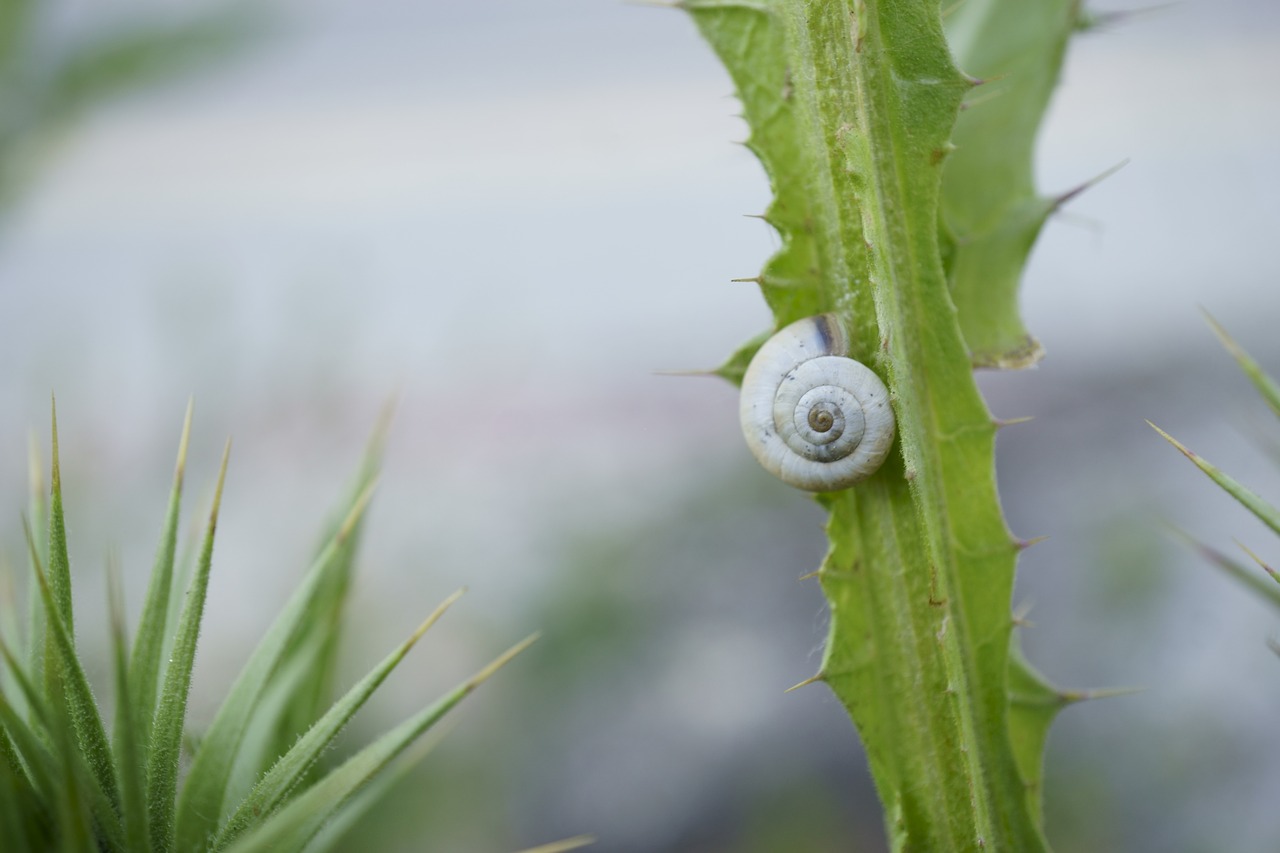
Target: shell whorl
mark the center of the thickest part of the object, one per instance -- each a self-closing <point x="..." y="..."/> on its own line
<point x="812" y="416"/>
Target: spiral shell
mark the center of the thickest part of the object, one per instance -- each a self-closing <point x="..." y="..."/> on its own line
<point x="812" y="416"/>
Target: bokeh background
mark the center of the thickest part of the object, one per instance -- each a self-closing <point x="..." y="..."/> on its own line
<point x="510" y="216"/>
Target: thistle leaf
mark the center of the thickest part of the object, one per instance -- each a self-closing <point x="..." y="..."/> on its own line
<point x="852" y="107"/>
<point x="990" y="210"/>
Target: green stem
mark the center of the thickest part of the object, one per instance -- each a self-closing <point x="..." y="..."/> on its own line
<point x="852" y="106"/>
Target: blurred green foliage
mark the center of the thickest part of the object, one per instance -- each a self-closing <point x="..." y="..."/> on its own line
<point x="50" y="75"/>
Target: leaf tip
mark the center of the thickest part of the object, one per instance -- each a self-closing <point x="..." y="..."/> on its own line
<point x="1181" y="447"/>
<point x="437" y="613"/>
<point x="357" y="511"/>
<point x="183" y="443"/>
<point x="501" y="661"/>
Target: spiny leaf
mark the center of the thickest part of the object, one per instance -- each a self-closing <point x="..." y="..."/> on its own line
<point x="201" y="804"/>
<point x="291" y="827"/>
<point x="1265" y="512"/>
<point x="990" y="209"/>
<point x="851" y="109"/>
<point x="734" y="368"/>
<point x="1033" y="705"/>
<point x="129" y="735"/>
<point x="1266" y="386"/>
<point x="74" y="690"/>
<point x="271" y="791"/>
<point x="166" y="744"/>
<point x="147" y="661"/>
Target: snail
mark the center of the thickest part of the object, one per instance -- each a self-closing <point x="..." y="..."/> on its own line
<point x="812" y="416"/>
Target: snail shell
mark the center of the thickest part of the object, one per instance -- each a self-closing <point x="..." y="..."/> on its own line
<point x="812" y="416"/>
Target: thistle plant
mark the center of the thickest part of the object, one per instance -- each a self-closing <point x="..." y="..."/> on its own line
<point x="897" y="136"/>
<point x="253" y="780"/>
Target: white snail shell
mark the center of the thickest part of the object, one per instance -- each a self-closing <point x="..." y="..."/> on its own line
<point x="812" y="416"/>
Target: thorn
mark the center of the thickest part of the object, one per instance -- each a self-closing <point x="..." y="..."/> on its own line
<point x="979" y="100"/>
<point x="1024" y="544"/>
<point x="811" y="680"/>
<point x="755" y="279"/>
<point x="1001" y="423"/>
<point x="813" y="574"/>
<point x="1059" y="201"/>
<point x="1020" y="615"/>
<point x="656" y="4"/>
<point x="1086" y="223"/>
<point x="1100" y="693"/>
<point x="756" y="216"/>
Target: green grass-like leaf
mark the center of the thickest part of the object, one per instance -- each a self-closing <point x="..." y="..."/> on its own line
<point x="1265" y="385"/>
<point x="65" y="786"/>
<point x="1265" y="512"/>
<point x="81" y="708"/>
<point x="271" y="790"/>
<point x="166" y="746"/>
<point x="1265" y="588"/>
<point x="293" y="826"/>
<point x="129" y="732"/>
<point x="146" y="662"/>
<point x="201" y="806"/>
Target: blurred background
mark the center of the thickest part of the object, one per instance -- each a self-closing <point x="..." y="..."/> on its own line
<point x="510" y="215"/>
